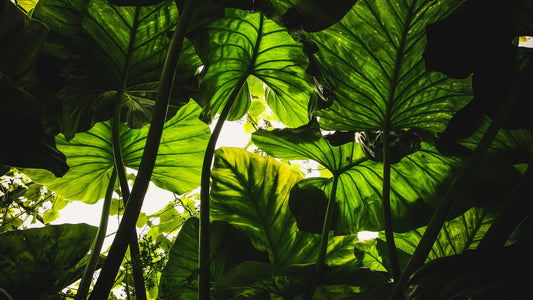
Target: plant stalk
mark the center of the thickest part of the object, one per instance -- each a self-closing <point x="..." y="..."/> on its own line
<point x="120" y="243"/>
<point x="387" y="215"/>
<point x="439" y="217"/>
<point x="204" y="255"/>
<point x="318" y="275"/>
<point x="90" y="267"/>
<point x="137" y="270"/>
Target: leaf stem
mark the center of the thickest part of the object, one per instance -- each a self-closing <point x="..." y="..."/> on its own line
<point x="318" y="275"/>
<point x="435" y="225"/>
<point x="204" y="255"/>
<point x="387" y="215"/>
<point x="120" y="243"/>
<point x="90" y="267"/>
<point x="137" y="270"/>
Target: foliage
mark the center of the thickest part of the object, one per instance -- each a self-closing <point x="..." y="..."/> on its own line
<point x="414" y="110"/>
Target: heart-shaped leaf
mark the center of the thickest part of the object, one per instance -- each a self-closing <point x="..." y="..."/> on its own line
<point x="416" y="181"/>
<point x="102" y="54"/>
<point x="240" y="45"/>
<point x="38" y="262"/>
<point x="251" y="193"/>
<point x="374" y="64"/>
<point x="90" y="157"/>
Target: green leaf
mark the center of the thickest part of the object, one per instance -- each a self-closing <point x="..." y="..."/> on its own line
<point x="251" y="279"/>
<point x="103" y="53"/>
<point x="229" y="248"/>
<point x="240" y="45"/>
<point x="315" y="15"/>
<point x="417" y="181"/>
<point x="456" y="236"/>
<point x="374" y="64"/>
<point x="90" y="156"/>
<point x="251" y="193"/>
<point x="36" y="262"/>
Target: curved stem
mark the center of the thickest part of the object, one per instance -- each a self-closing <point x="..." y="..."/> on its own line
<point x="137" y="270"/>
<point x="387" y="216"/>
<point x="204" y="256"/>
<point x="435" y="225"/>
<point x="120" y="243"/>
<point x="90" y="267"/>
<point x="318" y="275"/>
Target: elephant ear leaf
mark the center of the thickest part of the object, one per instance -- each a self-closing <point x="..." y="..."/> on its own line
<point x="99" y="55"/>
<point x="90" y="156"/>
<point x="373" y="58"/>
<point x="240" y="45"/>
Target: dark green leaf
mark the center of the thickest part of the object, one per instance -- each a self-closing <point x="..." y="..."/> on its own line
<point x="240" y="45"/>
<point x="40" y="262"/>
<point x="373" y="61"/>
<point x="250" y="279"/>
<point x="251" y="193"/>
<point x="101" y="54"/>
<point x="495" y="274"/>
<point x="229" y="248"/>
<point x="21" y="39"/>
<point x="90" y="156"/>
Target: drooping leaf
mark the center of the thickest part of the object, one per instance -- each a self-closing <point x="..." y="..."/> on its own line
<point x="229" y="248"/>
<point x="90" y="156"/>
<point x="251" y="193"/>
<point x="240" y="45"/>
<point x="39" y="262"/>
<point x="416" y="181"/>
<point x="250" y="280"/>
<point x="372" y="59"/>
<point x="26" y="143"/>
<point x="100" y="54"/>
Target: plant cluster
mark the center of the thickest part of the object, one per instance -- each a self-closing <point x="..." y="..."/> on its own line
<point x="414" y="110"/>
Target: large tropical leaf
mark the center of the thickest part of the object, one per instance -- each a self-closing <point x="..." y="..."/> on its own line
<point x="251" y="193"/>
<point x="229" y="247"/>
<point x="40" y="262"/>
<point x="240" y="45"/>
<point x="100" y="54"/>
<point x="416" y="181"/>
<point x="90" y="157"/>
<point x="372" y="59"/>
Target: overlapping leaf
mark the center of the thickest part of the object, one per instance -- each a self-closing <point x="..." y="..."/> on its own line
<point x="240" y="45"/>
<point x="40" y="262"/>
<point x="99" y="54"/>
<point x="456" y="236"/>
<point x="372" y="59"/>
<point x="229" y="247"/>
<point x="90" y="157"/>
<point x="416" y="181"/>
<point x="251" y="193"/>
